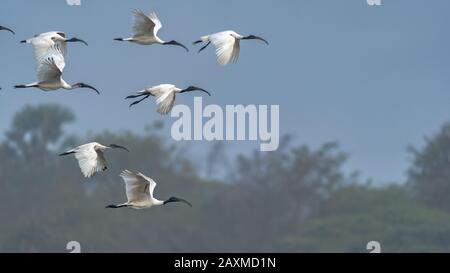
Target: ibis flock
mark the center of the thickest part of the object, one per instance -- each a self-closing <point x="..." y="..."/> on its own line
<point x="50" y="50"/>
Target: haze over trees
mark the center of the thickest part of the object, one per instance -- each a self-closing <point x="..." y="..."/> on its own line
<point x="296" y="199"/>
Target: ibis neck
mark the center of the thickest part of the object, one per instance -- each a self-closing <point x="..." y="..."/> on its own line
<point x="65" y="85"/>
<point x="157" y="202"/>
<point x="102" y="147"/>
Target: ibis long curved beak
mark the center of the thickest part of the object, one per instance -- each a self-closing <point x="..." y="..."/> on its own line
<point x="7" y="29"/>
<point x="74" y="39"/>
<point x="115" y="146"/>
<point x="83" y="85"/>
<point x="173" y="42"/>
<point x="253" y="37"/>
<point x="195" y="88"/>
<point x="176" y="199"/>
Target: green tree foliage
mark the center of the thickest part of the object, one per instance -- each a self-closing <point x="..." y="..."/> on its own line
<point x="355" y="215"/>
<point x="34" y="128"/>
<point x="429" y="176"/>
<point x="295" y="199"/>
<point x="287" y="186"/>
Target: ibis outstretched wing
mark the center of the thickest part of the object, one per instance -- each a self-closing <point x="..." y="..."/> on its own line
<point x="90" y="160"/>
<point x="145" y="25"/>
<point x="227" y="48"/>
<point x="43" y="42"/>
<point x="165" y="97"/>
<point x="51" y="66"/>
<point x="138" y="186"/>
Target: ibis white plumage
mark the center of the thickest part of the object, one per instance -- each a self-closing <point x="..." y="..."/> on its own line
<point x="227" y="44"/>
<point x="91" y="158"/>
<point x="49" y="73"/>
<point x="164" y="94"/>
<point x="43" y="42"/>
<point x="7" y="29"/>
<point x="139" y="191"/>
<point x="145" y="31"/>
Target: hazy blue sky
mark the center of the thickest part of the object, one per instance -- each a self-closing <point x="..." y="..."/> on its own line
<point x="376" y="79"/>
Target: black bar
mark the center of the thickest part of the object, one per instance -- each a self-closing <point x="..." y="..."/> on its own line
<point x="244" y="262"/>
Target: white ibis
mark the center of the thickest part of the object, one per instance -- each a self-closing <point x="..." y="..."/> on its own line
<point x="145" y="30"/>
<point x="164" y="94"/>
<point x="91" y="158"/>
<point x="44" y="41"/>
<point x="139" y="191"/>
<point x="227" y="44"/>
<point x="49" y="73"/>
<point x="7" y="29"/>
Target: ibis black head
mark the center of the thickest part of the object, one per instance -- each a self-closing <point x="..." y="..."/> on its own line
<point x="75" y="39"/>
<point x="83" y="85"/>
<point x="176" y="199"/>
<point x="253" y="37"/>
<point x="195" y="88"/>
<point x="173" y="42"/>
<point x="115" y="146"/>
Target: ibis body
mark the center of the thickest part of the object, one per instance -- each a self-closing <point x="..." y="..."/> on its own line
<point x="145" y="31"/>
<point x="43" y="42"/>
<point x="91" y="158"/>
<point x="49" y="73"/>
<point x="227" y="44"/>
<point x="139" y="190"/>
<point x="164" y="94"/>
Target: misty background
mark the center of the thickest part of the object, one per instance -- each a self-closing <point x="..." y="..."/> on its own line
<point x="359" y="88"/>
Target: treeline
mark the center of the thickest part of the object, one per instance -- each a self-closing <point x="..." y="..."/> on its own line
<point x="295" y="199"/>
